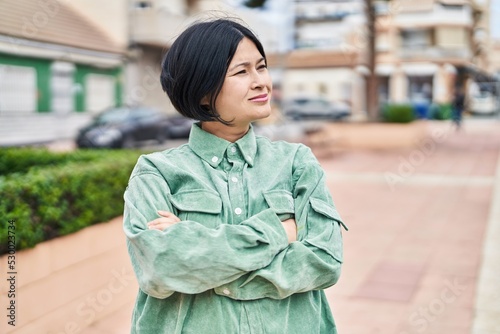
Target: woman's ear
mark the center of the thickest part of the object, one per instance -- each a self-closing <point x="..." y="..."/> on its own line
<point x="205" y="103"/>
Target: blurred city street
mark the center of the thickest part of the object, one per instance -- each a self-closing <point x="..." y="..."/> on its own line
<point x="414" y="251"/>
<point x="422" y="252"/>
<point x="374" y="87"/>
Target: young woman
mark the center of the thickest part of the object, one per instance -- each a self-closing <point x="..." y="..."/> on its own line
<point x="230" y="233"/>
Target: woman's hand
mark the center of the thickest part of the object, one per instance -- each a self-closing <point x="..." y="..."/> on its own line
<point x="166" y="220"/>
<point x="291" y="229"/>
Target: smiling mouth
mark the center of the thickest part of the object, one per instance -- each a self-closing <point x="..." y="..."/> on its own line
<point x="260" y="98"/>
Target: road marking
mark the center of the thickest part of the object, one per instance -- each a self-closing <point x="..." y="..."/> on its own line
<point x="416" y="179"/>
<point x="487" y="306"/>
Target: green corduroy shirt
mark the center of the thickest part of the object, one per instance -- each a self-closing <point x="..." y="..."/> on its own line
<point x="227" y="267"/>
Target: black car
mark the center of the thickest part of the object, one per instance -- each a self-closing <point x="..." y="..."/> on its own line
<point x="125" y="127"/>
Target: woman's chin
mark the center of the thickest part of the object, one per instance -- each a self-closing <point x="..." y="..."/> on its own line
<point x="262" y="114"/>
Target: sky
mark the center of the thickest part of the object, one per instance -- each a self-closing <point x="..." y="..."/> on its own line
<point x="494" y="15"/>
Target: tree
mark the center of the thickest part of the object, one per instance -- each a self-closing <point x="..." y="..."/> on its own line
<point x="371" y="80"/>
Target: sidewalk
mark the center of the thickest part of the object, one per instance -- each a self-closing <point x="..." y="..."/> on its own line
<point x="423" y="251"/>
<point x="418" y="219"/>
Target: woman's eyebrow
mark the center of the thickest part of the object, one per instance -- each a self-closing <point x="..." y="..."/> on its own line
<point x="246" y="63"/>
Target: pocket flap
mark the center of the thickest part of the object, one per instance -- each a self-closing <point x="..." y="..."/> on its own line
<point x="197" y="200"/>
<point x="326" y="209"/>
<point x="281" y="201"/>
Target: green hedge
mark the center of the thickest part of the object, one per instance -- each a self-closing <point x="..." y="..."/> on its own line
<point x="441" y="111"/>
<point x="20" y="160"/>
<point x="398" y="113"/>
<point x="67" y="193"/>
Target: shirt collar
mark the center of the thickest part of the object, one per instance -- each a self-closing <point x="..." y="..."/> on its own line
<point x="212" y="148"/>
<point x="248" y="146"/>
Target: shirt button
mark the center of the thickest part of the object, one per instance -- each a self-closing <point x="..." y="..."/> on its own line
<point x="234" y="179"/>
<point x="238" y="211"/>
<point x="226" y="292"/>
<point x="233" y="149"/>
<point x="215" y="159"/>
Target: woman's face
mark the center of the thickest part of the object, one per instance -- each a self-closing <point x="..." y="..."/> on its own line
<point x="246" y="93"/>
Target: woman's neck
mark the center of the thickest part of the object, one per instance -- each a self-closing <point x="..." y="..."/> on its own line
<point x="229" y="133"/>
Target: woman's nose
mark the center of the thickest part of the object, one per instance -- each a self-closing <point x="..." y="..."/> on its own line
<point x="258" y="80"/>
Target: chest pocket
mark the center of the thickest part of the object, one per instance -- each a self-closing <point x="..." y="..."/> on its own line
<point x="199" y="205"/>
<point x="325" y="234"/>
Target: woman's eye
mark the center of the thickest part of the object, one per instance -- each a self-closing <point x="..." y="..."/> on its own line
<point x="262" y="66"/>
<point x="241" y="72"/>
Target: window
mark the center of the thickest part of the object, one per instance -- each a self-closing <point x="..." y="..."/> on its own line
<point x="451" y="37"/>
<point x="62" y="87"/>
<point x="420" y="89"/>
<point x="99" y="92"/>
<point x="143" y="4"/>
<point x="381" y="7"/>
<point x="416" y="38"/>
<point x="455" y="7"/>
<point x="383" y="89"/>
<point x="18" y="89"/>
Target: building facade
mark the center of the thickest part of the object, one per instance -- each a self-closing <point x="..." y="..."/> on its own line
<point x="423" y="46"/>
<point x="56" y="69"/>
<point x="327" y="58"/>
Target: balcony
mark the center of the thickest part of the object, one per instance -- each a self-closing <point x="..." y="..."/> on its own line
<point x="154" y="26"/>
<point x="433" y="53"/>
<point x="439" y="15"/>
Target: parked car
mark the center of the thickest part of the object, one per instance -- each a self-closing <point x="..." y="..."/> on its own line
<point x="315" y="108"/>
<point x="484" y="102"/>
<point x="179" y="126"/>
<point x="125" y="127"/>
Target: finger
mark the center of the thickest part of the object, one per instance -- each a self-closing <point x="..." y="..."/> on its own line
<point x="162" y="221"/>
<point x="168" y="214"/>
<point x="159" y="221"/>
<point x="161" y="226"/>
<point x="165" y="213"/>
<point x="158" y="226"/>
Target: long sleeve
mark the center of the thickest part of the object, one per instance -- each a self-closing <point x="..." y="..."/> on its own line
<point x="314" y="261"/>
<point x="189" y="257"/>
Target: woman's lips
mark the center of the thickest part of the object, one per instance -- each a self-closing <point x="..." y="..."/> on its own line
<point x="260" y="98"/>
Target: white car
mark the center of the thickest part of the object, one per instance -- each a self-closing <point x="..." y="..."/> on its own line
<point x="483" y="103"/>
<point x="315" y="108"/>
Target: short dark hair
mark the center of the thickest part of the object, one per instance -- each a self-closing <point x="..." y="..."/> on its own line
<point x="196" y="65"/>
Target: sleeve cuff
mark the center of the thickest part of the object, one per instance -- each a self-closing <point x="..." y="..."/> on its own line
<point x="270" y="225"/>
